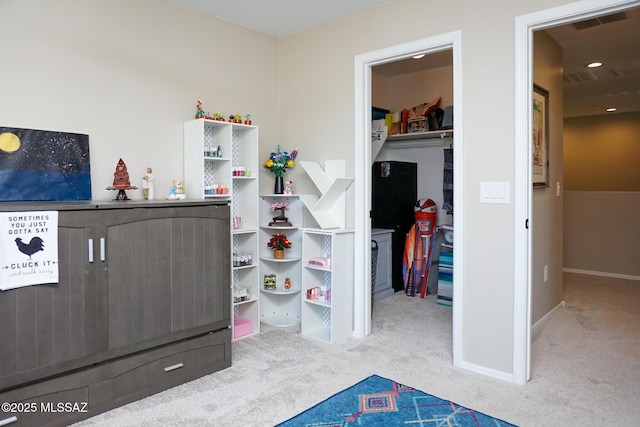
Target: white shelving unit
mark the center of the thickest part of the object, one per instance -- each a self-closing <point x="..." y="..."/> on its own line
<point x="281" y="307"/>
<point x="327" y="284"/>
<point x="221" y="161"/>
<point x="329" y="209"/>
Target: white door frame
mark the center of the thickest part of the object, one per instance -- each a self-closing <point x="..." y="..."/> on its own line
<point x="362" y="102"/>
<point x="525" y="25"/>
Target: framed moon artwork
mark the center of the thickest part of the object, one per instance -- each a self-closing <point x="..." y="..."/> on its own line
<point x="41" y="165"/>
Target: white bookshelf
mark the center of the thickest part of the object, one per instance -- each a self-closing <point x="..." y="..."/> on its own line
<point x="221" y="162"/>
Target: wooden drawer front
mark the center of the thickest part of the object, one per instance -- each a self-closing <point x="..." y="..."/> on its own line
<point x="112" y="384"/>
<point x="138" y="376"/>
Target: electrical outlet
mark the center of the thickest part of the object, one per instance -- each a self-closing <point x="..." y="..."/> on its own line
<point x="546" y="273"/>
<point x="558" y="189"/>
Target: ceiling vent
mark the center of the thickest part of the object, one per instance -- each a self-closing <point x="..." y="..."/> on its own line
<point x="600" y="20"/>
<point x="624" y="72"/>
<point x="578" y="77"/>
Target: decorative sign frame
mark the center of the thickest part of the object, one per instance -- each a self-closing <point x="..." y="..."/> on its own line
<point x="540" y="137"/>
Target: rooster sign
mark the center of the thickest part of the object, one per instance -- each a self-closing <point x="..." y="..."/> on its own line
<point x="25" y="259"/>
<point x="35" y="244"/>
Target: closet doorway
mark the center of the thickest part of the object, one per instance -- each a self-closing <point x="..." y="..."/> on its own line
<point x="450" y="42"/>
<point x="411" y="144"/>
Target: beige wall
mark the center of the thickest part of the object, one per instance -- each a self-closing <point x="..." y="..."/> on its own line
<point x="602" y="232"/>
<point x="602" y="194"/>
<point x="602" y="153"/>
<point x="129" y="73"/>
<point x="409" y="90"/>
<point x="546" y="223"/>
<point x="317" y="83"/>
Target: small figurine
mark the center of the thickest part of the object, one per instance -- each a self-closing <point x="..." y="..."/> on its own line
<point x="199" y="111"/>
<point x="147" y="185"/>
<point x="287" y="284"/>
<point x="288" y="187"/>
<point x="280" y="220"/>
<point x="177" y="190"/>
<point x="179" y="185"/>
<point x="121" y="181"/>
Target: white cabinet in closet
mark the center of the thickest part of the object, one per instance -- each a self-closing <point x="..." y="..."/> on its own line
<point x="382" y="287"/>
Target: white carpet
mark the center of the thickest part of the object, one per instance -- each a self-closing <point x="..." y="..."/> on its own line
<point x="585" y="368"/>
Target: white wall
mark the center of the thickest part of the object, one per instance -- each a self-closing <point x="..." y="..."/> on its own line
<point x="128" y="74"/>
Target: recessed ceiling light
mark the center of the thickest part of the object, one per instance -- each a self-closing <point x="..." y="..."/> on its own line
<point x="611" y="110"/>
<point x="419" y="56"/>
<point x="595" y="65"/>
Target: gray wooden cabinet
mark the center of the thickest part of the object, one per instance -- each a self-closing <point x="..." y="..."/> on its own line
<point x="142" y="304"/>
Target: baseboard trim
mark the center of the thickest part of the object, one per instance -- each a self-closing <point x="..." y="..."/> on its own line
<point x="504" y="376"/>
<point x="601" y="273"/>
<point x="547" y="316"/>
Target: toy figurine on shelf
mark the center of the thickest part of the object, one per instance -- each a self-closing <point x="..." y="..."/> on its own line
<point x="287" y="284"/>
<point x="288" y="187"/>
<point x="280" y="220"/>
<point x="147" y="185"/>
<point x="200" y="114"/>
<point x="199" y="111"/>
<point x="121" y="181"/>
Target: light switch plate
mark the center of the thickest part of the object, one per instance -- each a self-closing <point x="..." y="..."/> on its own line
<point x="495" y="192"/>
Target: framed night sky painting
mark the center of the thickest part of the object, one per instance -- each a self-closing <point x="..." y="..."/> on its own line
<point x="43" y="165"/>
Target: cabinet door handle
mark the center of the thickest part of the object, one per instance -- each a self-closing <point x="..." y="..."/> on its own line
<point x="8" y="421"/>
<point x="90" y="243"/>
<point x="102" y="251"/>
<point x="173" y="367"/>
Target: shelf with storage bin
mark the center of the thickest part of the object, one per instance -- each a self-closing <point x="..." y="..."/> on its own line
<point x="244" y="282"/>
<point x="327" y="284"/>
<point x="220" y="161"/>
<point x="280" y="307"/>
<point x="244" y="217"/>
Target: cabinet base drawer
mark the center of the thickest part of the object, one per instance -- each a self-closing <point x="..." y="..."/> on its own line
<point x="85" y="393"/>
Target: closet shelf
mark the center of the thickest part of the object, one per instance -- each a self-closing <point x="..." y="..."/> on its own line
<point x="434" y="138"/>
<point x="420" y="139"/>
<point x="444" y="133"/>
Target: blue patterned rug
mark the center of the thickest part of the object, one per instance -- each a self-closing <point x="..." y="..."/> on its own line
<point x="377" y="401"/>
